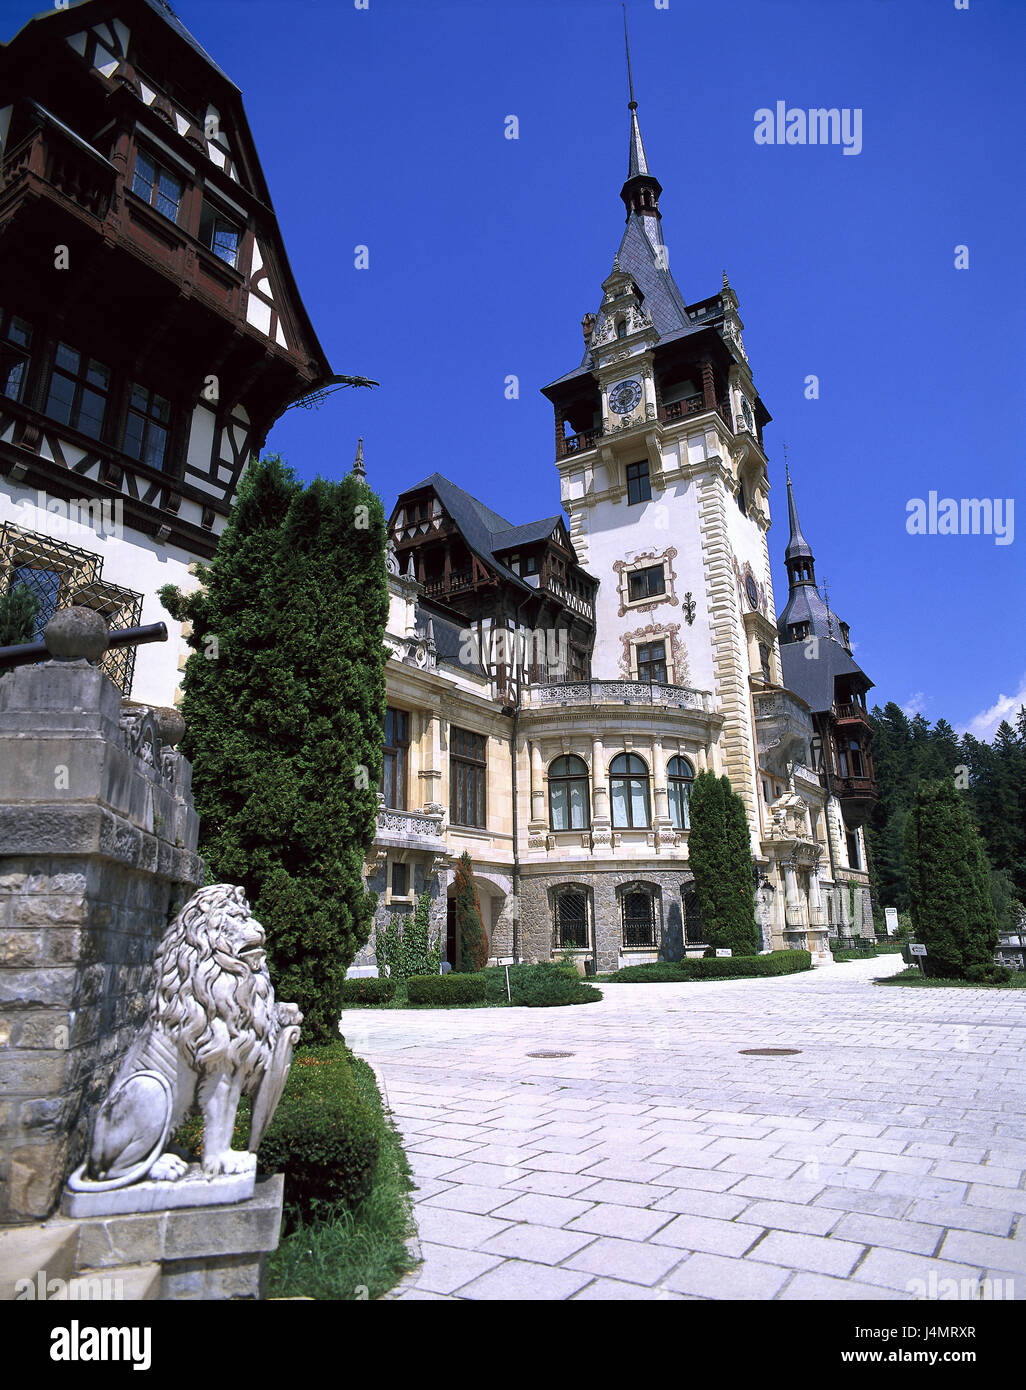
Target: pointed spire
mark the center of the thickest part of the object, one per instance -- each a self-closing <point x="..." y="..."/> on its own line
<point x="641" y="191"/>
<point x="797" y="546"/>
<point x="358" y="469"/>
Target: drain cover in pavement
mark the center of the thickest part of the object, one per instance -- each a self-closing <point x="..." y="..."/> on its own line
<point x="550" y="1054"/>
<point x="770" y="1051"/>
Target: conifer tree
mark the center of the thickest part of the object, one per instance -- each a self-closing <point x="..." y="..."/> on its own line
<point x="19" y="609"/>
<point x="949" y="882"/>
<point x="470" y="934"/>
<point x="284" y="707"/>
<point x="720" y="855"/>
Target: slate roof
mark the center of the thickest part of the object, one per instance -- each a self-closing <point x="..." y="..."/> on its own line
<point x="814" y="679"/>
<point x="484" y="530"/>
<point x="167" y="14"/>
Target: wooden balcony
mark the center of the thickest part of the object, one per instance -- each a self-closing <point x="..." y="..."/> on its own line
<point x="857" y="795"/>
<point x="847" y="714"/>
<point x="578" y="443"/>
<point x="55" y="163"/>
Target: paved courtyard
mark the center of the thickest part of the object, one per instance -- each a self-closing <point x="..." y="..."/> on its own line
<point x="656" y="1162"/>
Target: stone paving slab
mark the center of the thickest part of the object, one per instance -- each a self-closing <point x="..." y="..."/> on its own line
<point x="658" y="1163"/>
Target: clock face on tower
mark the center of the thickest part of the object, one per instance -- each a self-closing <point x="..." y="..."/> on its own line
<point x="625" y="397"/>
<point x="752" y="590"/>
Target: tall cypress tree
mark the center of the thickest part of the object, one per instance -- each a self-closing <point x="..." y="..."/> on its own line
<point x="472" y="945"/>
<point x="284" y="704"/>
<point x="720" y="855"/>
<point x="949" y="882"/>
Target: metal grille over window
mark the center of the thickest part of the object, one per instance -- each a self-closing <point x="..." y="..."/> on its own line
<point x="61" y="576"/>
<point x="638" y="919"/>
<point x="572" y="919"/>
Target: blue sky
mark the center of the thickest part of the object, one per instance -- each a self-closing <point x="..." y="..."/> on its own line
<point x="384" y="127"/>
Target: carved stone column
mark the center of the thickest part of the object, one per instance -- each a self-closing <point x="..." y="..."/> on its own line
<point x="793" y="911"/>
<point x="601" y="835"/>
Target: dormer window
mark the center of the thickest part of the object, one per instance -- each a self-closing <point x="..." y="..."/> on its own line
<point x="621" y="328"/>
<point x="799" y="631"/>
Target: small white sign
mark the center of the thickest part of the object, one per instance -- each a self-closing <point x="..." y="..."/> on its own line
<point x="504" y="960"/>
<point x="915" y="949"/>
<point x="891" y="918"/>
<point x="724" y="951"/>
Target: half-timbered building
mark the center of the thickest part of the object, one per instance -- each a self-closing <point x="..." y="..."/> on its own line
<point x="151" y="331"/>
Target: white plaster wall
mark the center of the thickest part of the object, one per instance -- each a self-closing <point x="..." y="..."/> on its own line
<point x="617" y="531"/>
<point x="136" y="562"/>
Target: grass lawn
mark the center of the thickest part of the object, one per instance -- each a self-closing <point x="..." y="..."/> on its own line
<point x="913" y="977"/>
<point x="353" y="1255"/>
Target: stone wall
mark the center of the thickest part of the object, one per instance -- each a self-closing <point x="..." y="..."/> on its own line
<point x="604" y="909"/>
<point x="97" y="850"/>
<point x="424" y="880"/>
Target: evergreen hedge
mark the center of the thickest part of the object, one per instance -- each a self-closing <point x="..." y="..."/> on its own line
<point x="368" y="990"/>
<point x="720" y="856"/>
<point x="284" y="706"/>
<point x="445" y="989"/>
<point x="948" y="883"/>
<point x="719" y="968"/>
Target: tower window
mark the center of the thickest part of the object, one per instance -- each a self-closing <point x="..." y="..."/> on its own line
<point x="639" y="487"/>
<point x="220" y="235"/>
<point x="680" y="778"/>
<point x="646" y="583"/>
<point x="799" y="631"/>
<point x="161" y="189"/>
<point x="621" y="328"/>
<point x="764" y="661"/>
<point x="652" y="663"/>
<point x="629" y="788"/>
<point x="568" y="794"/>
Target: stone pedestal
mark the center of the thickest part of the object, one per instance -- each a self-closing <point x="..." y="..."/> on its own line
<point x="97" y="850"/>
<point x="214" y="1252"/>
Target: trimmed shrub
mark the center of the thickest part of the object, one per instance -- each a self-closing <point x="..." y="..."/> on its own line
<point x="369" y="991"/>
<point x="721" y="968"/>
<point x="324" y="1137"/>
<point x="445" y="989"/>
<point x="988" y="974"/>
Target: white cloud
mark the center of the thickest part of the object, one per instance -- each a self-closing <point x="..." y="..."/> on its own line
<point x="916" y="703"/>
<point x="984" y="725"/>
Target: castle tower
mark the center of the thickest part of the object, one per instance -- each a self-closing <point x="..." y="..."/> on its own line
<point x="658" y="434"/>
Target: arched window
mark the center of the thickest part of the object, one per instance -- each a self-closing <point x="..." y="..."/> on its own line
<point x="568" y="794"/>
<point x="628" y="780"/>
<point x="571" y="919"/>
<point x="638" y="911"/>
<point x="680" y="776"/>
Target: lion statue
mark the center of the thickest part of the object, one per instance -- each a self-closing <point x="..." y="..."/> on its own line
<point x="214" y="1033"/>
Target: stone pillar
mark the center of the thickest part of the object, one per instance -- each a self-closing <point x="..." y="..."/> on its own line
<point x="537" y="785"/>
<point x="97" y="851"/>
<point x="815" y="899"/>
<point x="601" y="832"/>
<point x="792" y="911"/>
